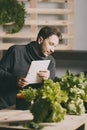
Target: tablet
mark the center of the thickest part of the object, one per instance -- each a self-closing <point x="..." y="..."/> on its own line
<point x="35" y="67"/>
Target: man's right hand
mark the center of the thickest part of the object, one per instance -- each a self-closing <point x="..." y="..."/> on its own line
<point x="21" y="82"/>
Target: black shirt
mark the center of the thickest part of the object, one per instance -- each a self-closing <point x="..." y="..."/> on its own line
<point x="15" y="63"/>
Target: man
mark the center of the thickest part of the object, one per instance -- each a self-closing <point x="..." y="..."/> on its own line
<point x="16" y="62"/>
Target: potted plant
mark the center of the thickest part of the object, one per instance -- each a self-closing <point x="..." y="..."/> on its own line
<point x="13" y="12"/>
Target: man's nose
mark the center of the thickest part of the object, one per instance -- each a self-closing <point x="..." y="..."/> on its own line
<point x="52" y="49"/>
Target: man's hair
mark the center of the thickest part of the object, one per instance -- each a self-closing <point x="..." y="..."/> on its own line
<point x="48" y="31"/>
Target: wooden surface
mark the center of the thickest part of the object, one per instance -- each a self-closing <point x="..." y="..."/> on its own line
<point x="71" y="122"/>
<point x="14" y="116"/>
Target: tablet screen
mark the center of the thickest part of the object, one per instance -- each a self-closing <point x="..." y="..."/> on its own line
<point x="35" y="67"/>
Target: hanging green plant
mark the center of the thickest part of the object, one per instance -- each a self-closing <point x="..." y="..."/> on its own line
<point x="12" y="11"/>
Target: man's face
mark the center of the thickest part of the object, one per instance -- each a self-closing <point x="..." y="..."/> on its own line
<point x="48" y="45"/>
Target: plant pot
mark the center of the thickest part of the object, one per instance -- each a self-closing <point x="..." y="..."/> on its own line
<point x="21" y="104"/>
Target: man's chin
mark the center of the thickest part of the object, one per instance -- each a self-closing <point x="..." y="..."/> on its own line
<point x="45" y="54"/>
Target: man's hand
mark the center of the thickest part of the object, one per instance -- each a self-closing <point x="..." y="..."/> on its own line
<point x="44" y="74"/>
<point x="21" y="82"/>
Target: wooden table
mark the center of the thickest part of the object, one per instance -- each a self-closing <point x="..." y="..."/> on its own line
<point x="7" y="116"/>
<point x="71" y="122"/>
<point x="14" y="116"/>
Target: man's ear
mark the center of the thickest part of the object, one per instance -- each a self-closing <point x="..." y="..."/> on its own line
<point x="40" y="40"/>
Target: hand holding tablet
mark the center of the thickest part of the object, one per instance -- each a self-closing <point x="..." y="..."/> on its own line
<point x="35" y="68"/>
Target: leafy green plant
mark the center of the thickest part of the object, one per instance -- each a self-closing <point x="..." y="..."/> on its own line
<point x="46" y="102"/>
<point x="55" y="99"/>
<point x="12" y="11"/>
<point x="76" y="88"/>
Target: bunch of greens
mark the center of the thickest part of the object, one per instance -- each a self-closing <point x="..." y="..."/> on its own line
<point x="76" y="88"/>
<point x="29" y="94"/>
<point x="46" y="102"/>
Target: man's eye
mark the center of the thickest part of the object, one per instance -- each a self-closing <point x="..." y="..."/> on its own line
<point x="51" y="44"/>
